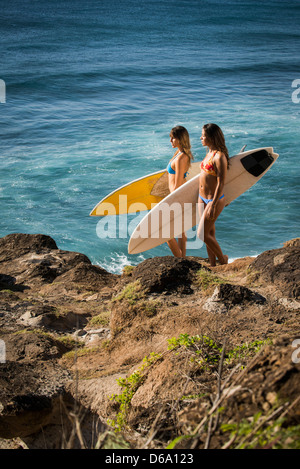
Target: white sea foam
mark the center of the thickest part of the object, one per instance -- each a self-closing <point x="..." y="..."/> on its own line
<point x="232" y="259"/>
<point x="116" y="262"/>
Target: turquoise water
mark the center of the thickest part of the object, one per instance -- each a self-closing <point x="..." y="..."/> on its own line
<point x="93" y="89"/>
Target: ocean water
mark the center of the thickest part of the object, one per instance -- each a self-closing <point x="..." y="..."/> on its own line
<point x="93" y="88"/>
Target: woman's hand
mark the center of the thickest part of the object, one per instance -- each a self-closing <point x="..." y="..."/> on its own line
<point x="210" y="211"/>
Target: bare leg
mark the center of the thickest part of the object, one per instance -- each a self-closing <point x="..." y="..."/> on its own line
<point x="182" y="244"/>
<point x="173" y="245"/>
<point x="213" y="248"/>
<point x="211" y="257"/>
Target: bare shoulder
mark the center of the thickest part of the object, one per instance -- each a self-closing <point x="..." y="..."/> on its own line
<point x="183" y="157"/>
<point x="220" y="158"/>
<point x="219" y="155"/>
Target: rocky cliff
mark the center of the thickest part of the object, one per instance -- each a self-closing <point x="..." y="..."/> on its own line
<point x="172" y="353"/>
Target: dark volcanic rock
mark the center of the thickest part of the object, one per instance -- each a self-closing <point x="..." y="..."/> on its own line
<point x="28" y="260"/>
<point x="29" y="396"/>
<point x="89" y="274"/>
<point x="281" y="267"/>
<point x="8" y="282"/>
<point x="30" y="346"/>
<point x="16" y="245"/>
<point x="226" y="296"/>
<point x="236" y="294"/>
<point x="166" y="274"/>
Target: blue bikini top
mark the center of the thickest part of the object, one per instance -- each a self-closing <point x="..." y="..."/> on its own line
<point x="171" y="170"/>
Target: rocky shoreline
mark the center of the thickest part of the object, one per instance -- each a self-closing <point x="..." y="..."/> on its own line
<point x="219" y="342"/>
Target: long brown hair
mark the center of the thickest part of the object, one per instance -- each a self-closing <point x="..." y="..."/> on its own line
<point x="183" y="136"/>
<point x="216" y="138"/>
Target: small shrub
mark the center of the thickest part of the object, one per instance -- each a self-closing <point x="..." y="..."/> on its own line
<point x="206" y="279"/>
<point x="68" y="341"/>
<point x="131" y="293"/>
<point x="202" y="349"/>
<point x="81" y="352"/>
<point x="246" y="350"/>
<point x="149" y="307"/>
<point x="206" y="352"/>
<point x="127" y="270"/>
<point x="260" y="433"/>
<point x="130" y="385"/>
<point x="101" y="319"/>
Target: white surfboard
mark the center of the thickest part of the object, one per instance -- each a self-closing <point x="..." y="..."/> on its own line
<point x="178" y="212"/>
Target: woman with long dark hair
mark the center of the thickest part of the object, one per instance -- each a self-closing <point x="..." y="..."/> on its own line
<point x="211" y="185"/>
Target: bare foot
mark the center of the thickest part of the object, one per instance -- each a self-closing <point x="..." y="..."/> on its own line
<point x="225" y="260"/>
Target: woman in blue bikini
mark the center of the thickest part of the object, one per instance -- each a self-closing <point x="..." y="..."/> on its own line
<point x="211" y="184"/>
<point x="177" y="169"/>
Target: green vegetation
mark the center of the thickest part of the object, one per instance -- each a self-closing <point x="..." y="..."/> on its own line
<point x="81" y="352"/>
<point x="132" y="293"/>
<point x="127" y="270"/>
<point x="205" y="354"/>
<point x="11" y="293"/>
<point x="149" y="307"/>
<point x="246" y="350"/>
<point x="206" y="279"/>
<point x="187" y="341"/>
<point x="259" y="432"/>
<point x="201" y="349"/>
<point x="101" y="319"/>
<point x="129" y="386"/>
<point x="205" y="351"/>
<point x="68" y="341"/>
<point x="33" y="331"/>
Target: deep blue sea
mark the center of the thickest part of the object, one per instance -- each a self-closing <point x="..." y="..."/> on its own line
<point x="92" y="90"/>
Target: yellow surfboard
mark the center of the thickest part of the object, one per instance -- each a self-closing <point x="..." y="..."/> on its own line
<point x="138" y="195"/>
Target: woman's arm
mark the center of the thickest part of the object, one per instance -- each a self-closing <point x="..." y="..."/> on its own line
<point x="220" y="163"/>
<point x="180" y="169"/>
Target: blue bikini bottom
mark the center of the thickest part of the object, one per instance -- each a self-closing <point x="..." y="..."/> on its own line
<point x="206" y="201"/>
